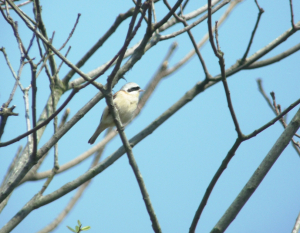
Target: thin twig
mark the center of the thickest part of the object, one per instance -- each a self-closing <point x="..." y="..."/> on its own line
<point x="277" y="110"/>
<point x="49" y="45"/>
<point x="220" y="55"/>
<point x="259" y="8"/>
<point x="292" y="17"/>
<point x="71" y="33"/>
<point x="261" y="11"/>
<point x="210" y="32"/>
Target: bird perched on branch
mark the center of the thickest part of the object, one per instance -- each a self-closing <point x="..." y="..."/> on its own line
<point x="126" y="101"/>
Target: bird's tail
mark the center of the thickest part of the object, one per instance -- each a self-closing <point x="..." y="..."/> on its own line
<point x="96" y="134"/>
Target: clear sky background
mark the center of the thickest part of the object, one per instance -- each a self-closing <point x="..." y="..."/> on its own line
<point x="179" y="159"/>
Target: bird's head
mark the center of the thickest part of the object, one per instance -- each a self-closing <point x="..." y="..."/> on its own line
<point x="132" y="88"/>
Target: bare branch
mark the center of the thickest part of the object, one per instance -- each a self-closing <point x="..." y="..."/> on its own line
<point x="258" y="175"/>
<point x="154" y="40"/>
<point x="210" y="32"/>
<point x="170" y="13"/>
<point x="255" y="132"/>
<point x="261" y="11"/>
<point x="259" y="8"/>
<point x="71" y="33"/>
<point x="187" y="16"/>
<point x="219" y="54"/>
<point x="188" y="27"/>
<point x="295" y="27"/>
<point x="33" y="107"/>
<point x="213" y="182"/>
<point x="274" y="59"/>
<point x="257" y="55"/>
<point x="276" y="109"/>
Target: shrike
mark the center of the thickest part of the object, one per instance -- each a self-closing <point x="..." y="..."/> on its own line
<point x="126" y="101"/>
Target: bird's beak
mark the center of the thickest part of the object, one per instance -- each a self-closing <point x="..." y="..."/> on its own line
<point x="141" y="90"/>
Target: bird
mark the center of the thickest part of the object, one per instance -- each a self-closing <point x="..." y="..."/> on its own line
<point x="126" y="101"/>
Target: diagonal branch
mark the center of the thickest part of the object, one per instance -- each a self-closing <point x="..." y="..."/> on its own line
<point x="274" y="59"/>
<point x="226" y="161"/>
<point x="258" y="175"/>
<point x="170" y="13"/>
<point x="198" y="21"/>
<point x="261" y="11"/>
<point x="213" y="182"/>
<point x="71" y="33"/>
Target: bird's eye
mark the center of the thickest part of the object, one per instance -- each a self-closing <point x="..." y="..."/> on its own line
<point x="133" y="89"/>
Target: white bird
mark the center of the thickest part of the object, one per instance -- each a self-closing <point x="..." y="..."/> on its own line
<point x="126" y="101"/>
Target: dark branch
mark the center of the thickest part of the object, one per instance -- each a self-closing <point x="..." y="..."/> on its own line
<point x="253" y="33"/>
<point x="292" y="17"/>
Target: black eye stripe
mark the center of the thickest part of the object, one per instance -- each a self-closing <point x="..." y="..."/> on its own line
<point x="133" y="89"/>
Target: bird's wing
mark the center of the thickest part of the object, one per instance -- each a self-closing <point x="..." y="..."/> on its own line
<point x="105" y="113"/>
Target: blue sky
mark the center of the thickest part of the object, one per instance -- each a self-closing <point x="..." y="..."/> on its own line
<point x="178" y="159"/>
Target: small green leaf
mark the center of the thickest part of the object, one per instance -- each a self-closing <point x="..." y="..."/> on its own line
<point x="79" y="223"/>
<point x="86" y="228"/>
<point x="77" y="228"/>
<point x="71" y="229"/>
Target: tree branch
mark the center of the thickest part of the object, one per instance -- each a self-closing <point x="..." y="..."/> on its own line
<point x="258" y="175"/>
<point x="188" y="27"/>
<point x="261" y="11"/>
<point x="274" y="59"/>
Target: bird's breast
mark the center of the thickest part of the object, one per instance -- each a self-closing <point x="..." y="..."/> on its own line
<point x="126" y="106"/>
